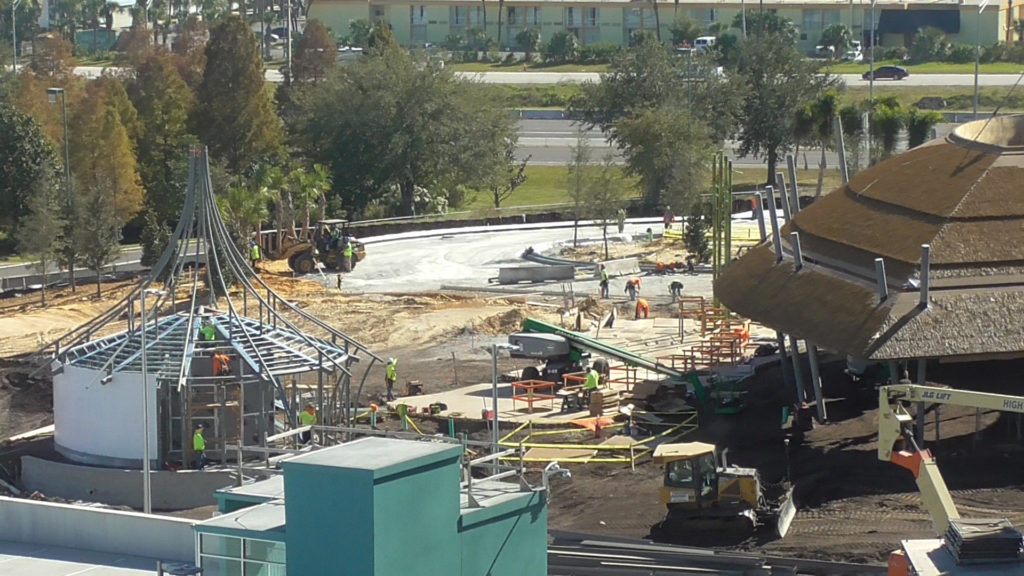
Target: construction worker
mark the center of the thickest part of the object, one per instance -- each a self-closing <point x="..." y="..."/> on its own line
<point x="347" y="255"/>
<point x="650" y="235"/>
<point x="307" y="418"/>
<point x="620" y="220"/>
<point x="391" y="377"/>
<point x="642" y="307"/>
<point x="254" y="253"/>
<point x="207" y="331"/>
<point x="592" y="383"/>
<point x="633" y="288"/>
<point x="676" y="290"/>
<point x="221" y="364"/>
<point x="604" y="282"/>
<point x="669" y="217"/>
<point x="199" y="447"/>
<point x="339" y="282"/>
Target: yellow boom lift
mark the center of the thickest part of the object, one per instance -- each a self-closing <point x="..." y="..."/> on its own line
<point x="983" y="547"/>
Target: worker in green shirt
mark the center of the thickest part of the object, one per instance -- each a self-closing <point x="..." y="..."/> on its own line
<point x="391" y="377"/>
<point x="347" y="254"/>
<point x="307" y="418"/>
<point x="199" y="447"/>
<point x="207" y="331"/>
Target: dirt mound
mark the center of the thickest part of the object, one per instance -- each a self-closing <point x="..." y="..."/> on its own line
<point x="504" y="323"/>
<point x="592" y="308"/>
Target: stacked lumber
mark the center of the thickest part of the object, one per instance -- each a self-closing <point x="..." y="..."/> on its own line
<point x="604" y="402"/>
<point x="983" y="540"/>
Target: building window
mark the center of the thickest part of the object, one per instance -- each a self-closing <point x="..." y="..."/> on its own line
<point x="710" y="16"/>
<point x="418" y="15"/>
<point x="460" y="15"/>
<point x="590" y="19"/>
<point x="573" y="17"/>
<point x="533" y="16"/>
<point x="514" y="16"/>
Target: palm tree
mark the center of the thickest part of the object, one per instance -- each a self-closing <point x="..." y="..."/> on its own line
<point x="826" y="108"/>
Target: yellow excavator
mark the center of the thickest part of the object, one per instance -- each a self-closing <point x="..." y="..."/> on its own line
<point x="989" y="546"/>
<point x="710" y="501"/>
<point x="326" y="246"/>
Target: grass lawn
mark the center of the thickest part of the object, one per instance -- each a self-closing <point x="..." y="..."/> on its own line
<point x="100" y="61"/>
<point x="929" y="68"/>
<point x="957" y="98"/>
<point x="518" y="67"/>
<point x="547" y="185"/>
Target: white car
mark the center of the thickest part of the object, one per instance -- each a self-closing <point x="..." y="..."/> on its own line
<point x="853" y="56"/>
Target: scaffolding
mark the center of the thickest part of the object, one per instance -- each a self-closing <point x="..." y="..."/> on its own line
<point x="213" y="303"/>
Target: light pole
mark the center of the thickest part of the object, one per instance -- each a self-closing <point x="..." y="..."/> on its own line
<point x="51" y="95"/>
<point x="977" y="54"/>
<point x="14" y="32"/>
<point x="871" y="80"/>
<point x="147" y="492"/>
<point x="496" y="437"/>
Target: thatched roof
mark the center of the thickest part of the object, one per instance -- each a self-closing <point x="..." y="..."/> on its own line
<point x="964" y="196"/>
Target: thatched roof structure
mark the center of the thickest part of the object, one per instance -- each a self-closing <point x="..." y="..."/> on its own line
<point x="964" y="196"/>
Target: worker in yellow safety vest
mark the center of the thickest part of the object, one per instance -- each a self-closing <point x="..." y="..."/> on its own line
<point x="391" y="377"/>
<point x="199" y="447"/>
<point x="254" y="254"/>
<point x="307" y="418"/>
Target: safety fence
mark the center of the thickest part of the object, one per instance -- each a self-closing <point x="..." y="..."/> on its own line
<point x="614" y="449"/>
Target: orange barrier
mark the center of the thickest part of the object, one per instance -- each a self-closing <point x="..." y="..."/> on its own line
<point x="530" y="387"/>
<point x="623" y="375"/>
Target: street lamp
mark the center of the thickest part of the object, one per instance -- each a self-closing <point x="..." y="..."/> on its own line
<point x="147" y="492"/>
<point x="977" y="54"/>
<point x="871" y="80"/>
<point x="51" y="96"/>
<point x="14" y="32"/>
<point x="495" y="438"/>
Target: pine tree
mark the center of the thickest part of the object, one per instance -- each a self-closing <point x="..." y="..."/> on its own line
<point x="40" y="232"/>
<point x="234" y="114"/>
<point x="696" y="235"/>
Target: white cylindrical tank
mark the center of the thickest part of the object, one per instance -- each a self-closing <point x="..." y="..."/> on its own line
<point x="101" y="423"/>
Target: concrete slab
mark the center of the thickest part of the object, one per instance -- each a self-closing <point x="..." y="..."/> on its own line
<point x="18" y="559"/>
<point x="517" y="274"/>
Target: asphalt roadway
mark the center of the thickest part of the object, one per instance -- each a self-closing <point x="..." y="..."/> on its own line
<point x="578" y="77"/>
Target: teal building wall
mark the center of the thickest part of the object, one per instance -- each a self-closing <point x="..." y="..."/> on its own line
<point x="502" y="539"/>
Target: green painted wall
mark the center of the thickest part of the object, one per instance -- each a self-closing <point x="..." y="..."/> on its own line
<point x="506" y="540"/>
<point x="330" y="520"/>
<point x="416" y="518"/>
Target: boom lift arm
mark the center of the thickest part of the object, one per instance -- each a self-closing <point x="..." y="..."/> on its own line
<point x="894" y="424"/>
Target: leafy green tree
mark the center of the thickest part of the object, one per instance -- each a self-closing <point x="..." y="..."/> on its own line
<point x="640" y="37"/>
<point x="698" y="225"/>
<point x="760" y="23"/>
<point x="52" y="57"/>
<point x="510" y="175"/>
<point x="27" y="161"/>
<point x="234" y="115"/>
<point x="40" y="231"/>
<point x="576" y="184"/>
<point x="684" y="31"/>
<point x="314" y="53"/>
<point x="163" y="102"/>
<point x="381" y="41"/>
<point x="359" y="32"/>
<point x="244" y="207"/>
<point x="776" y="81"/>
<point x="839" y="37"/>
<point x="528" y="40"/>
<point x="562" y="48"/>
<point x="669" y="151"/>
<point x="887" y="120"/>
<point x="97" y="228"/>
<point x="920" y="124"/>
<point x="406" y="124"/>
<point x="929" y="45"/>
<point x="605" y="193"/>
<point x="477" y="40"/>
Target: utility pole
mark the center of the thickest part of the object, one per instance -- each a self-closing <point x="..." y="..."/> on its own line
<point x="871" y="82"/>
<point x="977" y="54"/>
<point x="288" y="41"/>
<point x="14" y="32"/>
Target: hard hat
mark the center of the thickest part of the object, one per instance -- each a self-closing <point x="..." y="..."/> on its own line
<point x="391" y="360"/>
<point x="200" y="426"/>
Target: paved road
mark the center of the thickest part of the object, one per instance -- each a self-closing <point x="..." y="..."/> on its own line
<point x="550" y="142"/>
<point x="578" y="77"/>
<point x="128" y="260"/>
<point x="427" y="264"/>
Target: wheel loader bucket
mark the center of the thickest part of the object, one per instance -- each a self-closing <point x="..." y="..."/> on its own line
<point x="787" y="511"/>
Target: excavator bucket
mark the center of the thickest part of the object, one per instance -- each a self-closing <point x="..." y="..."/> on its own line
<point x="787" y="511"/>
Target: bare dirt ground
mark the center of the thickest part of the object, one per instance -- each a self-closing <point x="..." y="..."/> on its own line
<point x="852" y="507"/>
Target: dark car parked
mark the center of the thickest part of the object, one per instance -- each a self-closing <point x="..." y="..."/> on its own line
<point x="890" y="72"/>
